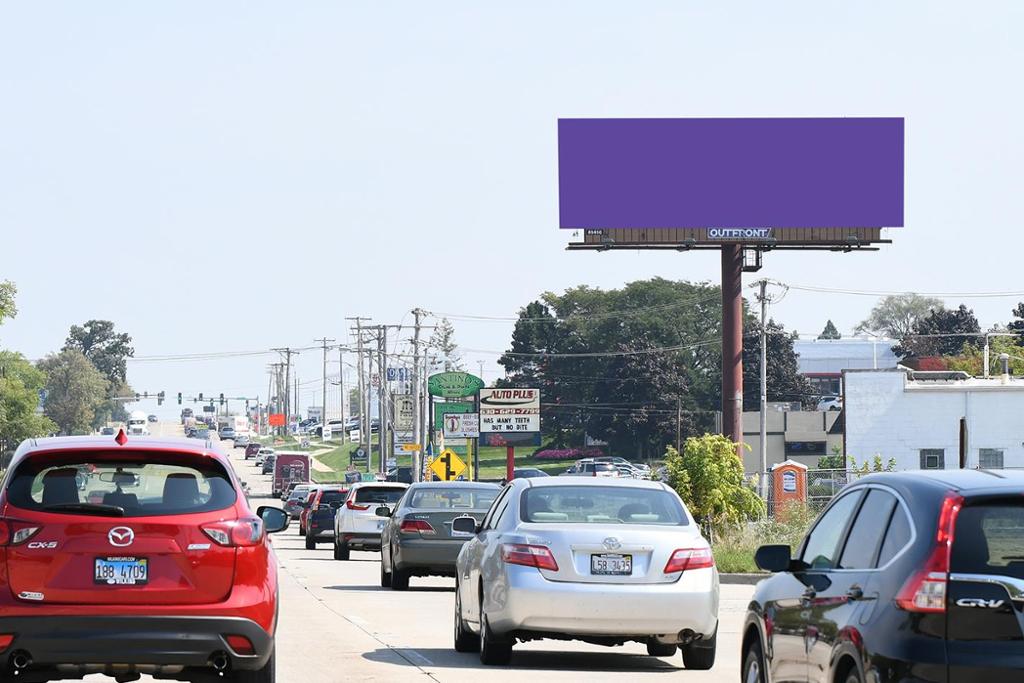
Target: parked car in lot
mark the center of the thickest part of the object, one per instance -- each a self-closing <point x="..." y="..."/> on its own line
<point x="529" y="472"/>
<point x="134" y="557"/>
<point x="356" y="524"/>
<point x="252" y="450"/>
<point x="910" y="576"/>
<point x="322" y="508"/>
<point x="600" y="560"/>
<point x="591" y="468"/>
<point x="830" y="403"/>
<point x="417" y="539"/>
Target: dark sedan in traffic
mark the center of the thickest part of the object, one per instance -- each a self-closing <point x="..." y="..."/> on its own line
<point x="417" y="540"/>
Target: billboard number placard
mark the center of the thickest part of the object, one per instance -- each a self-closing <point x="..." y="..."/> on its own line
<point x="509" y="410"/>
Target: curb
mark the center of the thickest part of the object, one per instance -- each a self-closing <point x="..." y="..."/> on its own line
<point x="742" y="579"/>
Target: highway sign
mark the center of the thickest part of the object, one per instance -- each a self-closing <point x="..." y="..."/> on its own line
<point x="448" y="465"/>
<point x="510" y="410"/>
<point x="461" y="425"/>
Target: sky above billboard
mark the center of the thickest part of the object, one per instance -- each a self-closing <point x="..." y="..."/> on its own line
<point x="730" y="172"/>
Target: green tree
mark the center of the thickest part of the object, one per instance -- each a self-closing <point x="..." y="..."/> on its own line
<point x="443" y="341"/>
<point x="708" y="476"/>
<point x="75" y="390"/>
<point x="109" y="351"/>
<point x="894" y="316"/>
<point x="784" y="381"/>
<point x="943" y="332"/>
<point x="1017" y="324"/>
<point x="7" y="307"/>
<point x="20" y="386"/>
<point x="972" y="358"/>
<point x="830" y="332"/>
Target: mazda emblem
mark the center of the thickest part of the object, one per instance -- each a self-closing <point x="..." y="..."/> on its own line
<point x="120" y="536"/>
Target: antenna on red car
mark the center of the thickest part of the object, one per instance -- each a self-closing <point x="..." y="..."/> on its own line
<point x="121" y="438"/>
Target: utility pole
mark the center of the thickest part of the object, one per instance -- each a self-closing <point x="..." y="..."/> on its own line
<point x="763" y="434"/>
<point x="341" y="382"/>
<point x="382" y="396"/>
<point x="288" y="353"/>
<point x="323" y="405"/>
<point x="364" y="404"/>
<point x="417" y="432"/>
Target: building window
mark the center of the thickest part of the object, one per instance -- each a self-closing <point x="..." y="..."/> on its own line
<point x="990" y="458"/>
<point x="933" y="459"/>
<point x="806" y="448"/>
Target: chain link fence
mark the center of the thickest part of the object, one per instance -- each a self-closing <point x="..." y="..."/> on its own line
<point x="821" y="487"/>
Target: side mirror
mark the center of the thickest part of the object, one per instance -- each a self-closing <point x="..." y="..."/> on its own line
<point x="274" y="519"/>
<point x="465" y="526"/>
<point x="383" y="511"/>
<point x="773" y="558"/>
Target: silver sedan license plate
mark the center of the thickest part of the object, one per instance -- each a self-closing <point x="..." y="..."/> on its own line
<point x="121" y="571"/>
<point x="611" y="565"/>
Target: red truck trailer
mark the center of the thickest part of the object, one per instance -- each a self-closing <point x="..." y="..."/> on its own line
<point x="290" y="468"/>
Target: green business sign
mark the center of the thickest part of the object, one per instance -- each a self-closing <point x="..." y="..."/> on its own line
<point x="454" y="384"/>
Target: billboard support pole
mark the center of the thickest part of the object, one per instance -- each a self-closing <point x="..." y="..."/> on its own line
<point x="732" y="343"/>
<point x="510" y="463"/>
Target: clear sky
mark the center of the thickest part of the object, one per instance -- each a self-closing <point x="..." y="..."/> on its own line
<point x="235" y="176"/>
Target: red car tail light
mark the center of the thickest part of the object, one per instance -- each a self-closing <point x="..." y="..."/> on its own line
<point x="538" y="556"/>
<point x="240" y="644"/>
<point x="5" y="641"/>
<point x="410" y="526"/>
<point x="689" y="558"/>
<point x="240" y="532"/>
<point x="925" y="591"/>
<point x="352" y="505"/>
<point x="11" y="534"/>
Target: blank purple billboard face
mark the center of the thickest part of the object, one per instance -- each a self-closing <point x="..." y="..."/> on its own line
<point x="730" y="173"/>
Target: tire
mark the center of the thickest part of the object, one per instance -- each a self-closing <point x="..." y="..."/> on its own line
<point x="265" y="675"/>
<point x="399" y="579"/>
<point x="753" y="665"/>
<point x="853" y="676"/>
<point x="310" y="542"/>
<point x="465" y="640"/>
<point x="494" y="651"/>
<point x="656" y="649"/>
<point x="302" y="530"/>
<point x="385" y="576"/>
<point x="700" y="654"/>
<point x="341" y="551"/>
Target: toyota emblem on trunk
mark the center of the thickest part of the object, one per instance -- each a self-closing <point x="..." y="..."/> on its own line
<point x="612" y="543"/>
<point x="120" y="536"/>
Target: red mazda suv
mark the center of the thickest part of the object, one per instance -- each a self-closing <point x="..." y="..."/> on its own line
<point x="127" y="556"/>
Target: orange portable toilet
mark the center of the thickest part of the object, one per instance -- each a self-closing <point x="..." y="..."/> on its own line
<point x="789" y="485"/>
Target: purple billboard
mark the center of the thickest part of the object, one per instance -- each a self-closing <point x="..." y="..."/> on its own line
<point x="730" y="173"/>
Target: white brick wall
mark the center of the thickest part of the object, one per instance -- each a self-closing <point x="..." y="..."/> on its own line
<point x="890" y="416"/>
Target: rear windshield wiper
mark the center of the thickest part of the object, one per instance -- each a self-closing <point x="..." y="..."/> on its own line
<point x="87" y="509"/>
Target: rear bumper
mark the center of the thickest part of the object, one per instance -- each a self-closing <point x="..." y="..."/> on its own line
<point x="362" y="541"/>
<point x="433" y="556"/>
<point x="51" y="641"/>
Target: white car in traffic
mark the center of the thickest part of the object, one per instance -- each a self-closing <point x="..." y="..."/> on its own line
<point x="602" y="560"/>
<point x="356" y="523"/>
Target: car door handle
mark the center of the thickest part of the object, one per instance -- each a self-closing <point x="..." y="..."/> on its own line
<point x="855" y="593"/>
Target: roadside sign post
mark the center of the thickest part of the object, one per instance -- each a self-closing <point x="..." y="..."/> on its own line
<point x="514" y="415"/>
<point x="448" y="465"/>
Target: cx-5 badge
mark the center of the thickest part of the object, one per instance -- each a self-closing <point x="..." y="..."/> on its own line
<point x="120" y="536"/>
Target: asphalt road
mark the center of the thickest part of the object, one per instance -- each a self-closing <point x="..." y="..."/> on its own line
<point x="336" y="623"/>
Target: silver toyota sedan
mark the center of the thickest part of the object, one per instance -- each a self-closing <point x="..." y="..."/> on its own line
<point x="600" y="560"/>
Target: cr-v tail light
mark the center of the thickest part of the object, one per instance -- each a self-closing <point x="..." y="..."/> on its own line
<point x="538" y="556"/>
<point x="239" y="532"/>
<point x="689" y="558"/>
<point x="352" y="505"/>
<point x="925" y="590"/>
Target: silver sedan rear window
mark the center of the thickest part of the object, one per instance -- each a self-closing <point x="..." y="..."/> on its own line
<point x="601" y="505"/>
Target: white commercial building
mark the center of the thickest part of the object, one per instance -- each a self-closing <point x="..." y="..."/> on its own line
<point x="934" y="420"/>
<point x="822" y="361"/>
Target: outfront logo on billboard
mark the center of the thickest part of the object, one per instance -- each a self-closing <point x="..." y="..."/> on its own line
<point x="739" y="233"/>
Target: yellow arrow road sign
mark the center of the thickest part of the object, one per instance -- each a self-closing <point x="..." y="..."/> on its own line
<point x="448" y="465"/>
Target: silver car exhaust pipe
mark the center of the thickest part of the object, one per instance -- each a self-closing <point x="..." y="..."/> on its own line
<point x="21" y="660"/>
<point x="219" y="661"/>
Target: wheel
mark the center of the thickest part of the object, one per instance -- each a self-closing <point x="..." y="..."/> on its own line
<point x="310" y="542"/>
<point x="465" y="640"/>
<point x="264" y="675"/>
<point x="656" y="649"/>
<point x="385" y="576"/>
<point x="700" y="654"/>
<point x="399" y="579"/>
<point x="853" y="676"/>
<point x="753" y="665"/>
<point x="341" y="551"/>
<point x="494" y="651"/>
<point x="302" y="529"/>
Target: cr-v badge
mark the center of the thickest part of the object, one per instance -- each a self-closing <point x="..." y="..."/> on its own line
<point x="979" y="602"/>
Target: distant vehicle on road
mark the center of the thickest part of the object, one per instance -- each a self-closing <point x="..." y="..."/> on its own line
<point x="137" y="424"/>
<point x="185" y="414"/>
<point x="290" y="468"/>
<point x="322" y="508"/>
<point x="905" y="576"/>
<point x="417" y="539"/>
<point x="241" y="440"/>
<point x="262" y="454"/>
<point x="227" y="433"/>
<point x="108" y="431"/>
<point x="401" y="474"/>
<point x="149" y="559"/>
<point x="293" y="503"/>
<point x="356" y="524"/>
<point x="252" y="449"/>
<point x="151" y="418"/>
<point x="529" y="472"/>
<point x="601" y="560"/>
<point x="268" y="464"/>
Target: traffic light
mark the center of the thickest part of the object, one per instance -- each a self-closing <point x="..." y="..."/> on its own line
<point x="179" y="398"/>
<point x="160" y="399"/>
<point x="200" y="396"/>
<point x="222" y="399"/>
<point x="145" y="394"/>
<point x="137" y="396"/>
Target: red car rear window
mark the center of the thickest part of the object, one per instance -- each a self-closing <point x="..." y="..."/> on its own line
<point x="121" y="485"/>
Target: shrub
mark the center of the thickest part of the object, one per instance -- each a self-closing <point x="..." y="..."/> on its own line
<point x="567" y="453"/>
<point x="734" y="547"/>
